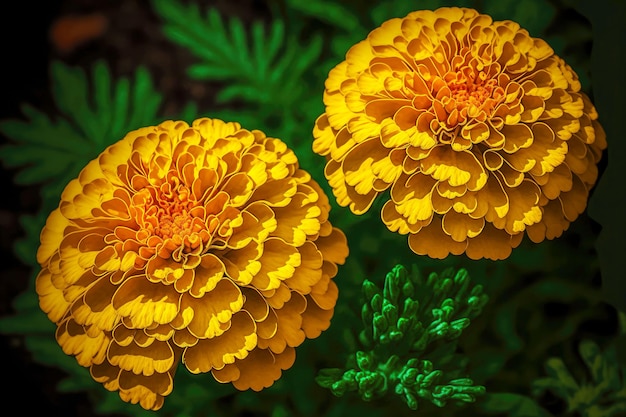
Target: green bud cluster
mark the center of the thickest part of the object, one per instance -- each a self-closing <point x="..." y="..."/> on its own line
<point x="405" y="323"/>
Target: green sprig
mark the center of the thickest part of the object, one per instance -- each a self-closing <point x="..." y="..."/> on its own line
<point x="603" y="394"/>
<point x="406" y="324"/>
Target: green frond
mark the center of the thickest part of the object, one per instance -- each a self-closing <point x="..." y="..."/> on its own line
<point x="262" y="66"/>
<point x="333" y="13"/>
<point x="601" y="394"/>
<point x="92" y="113"/>
<point x="410" y="329"/>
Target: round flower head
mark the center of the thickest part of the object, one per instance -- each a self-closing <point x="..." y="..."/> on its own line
<point x="479" y="132"/>
<point x="204" y="244"/>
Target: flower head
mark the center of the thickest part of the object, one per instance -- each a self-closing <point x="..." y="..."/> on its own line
<point x="479" y="132"/>
<point x="204" y="244"/>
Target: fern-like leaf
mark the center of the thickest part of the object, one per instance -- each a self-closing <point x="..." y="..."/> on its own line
<point x="333" y="13"/>
<point x="92" y="115"/>
<point x="262" y="66"/>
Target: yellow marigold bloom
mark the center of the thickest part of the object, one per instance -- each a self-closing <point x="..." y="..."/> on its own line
<point x="205" y="244"/>
<point x="479" y="132"/>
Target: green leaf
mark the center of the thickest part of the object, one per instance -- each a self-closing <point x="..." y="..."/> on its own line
<point x="389" y="9"/>
<point x="532" y="15"/>
<point x="406" y="336"/>
<point x="514" y="405"/>
<point x="93" y="113"/>
<point x="590" y="353"/>
<point x="326" y="11"/>
<point x="47" y="351"/>
<point x="604" y="394"/>
<point x="31" y="322"/>
<point x="26" y="301"/>
<point x="557" y="370"/>
<point x="109" y="403"/>
<point x="75" y="383"/>
<point x="261" y="68"/>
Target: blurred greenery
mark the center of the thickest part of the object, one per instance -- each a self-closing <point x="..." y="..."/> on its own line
<point x="546" y="301"/>
<point x="601" y="395"/>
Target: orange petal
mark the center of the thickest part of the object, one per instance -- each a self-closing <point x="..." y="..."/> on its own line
<point x="432" y="241"/>
<point x="213" y="309"/>
<point x="88" y="347"/>
<point x="260" y="369"/>
<point x="492" y="244"/>
<point x="214" y="353"/>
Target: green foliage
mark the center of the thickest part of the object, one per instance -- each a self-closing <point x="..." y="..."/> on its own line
<point x="513" y="405"/>
<point x="52" y="150"/>
<point x="533" y="15"/>
<point x="263" y="67"/>
<point x="410" y="332"/>
<point x="332" y="13"/>
<point x="602" y="394"/>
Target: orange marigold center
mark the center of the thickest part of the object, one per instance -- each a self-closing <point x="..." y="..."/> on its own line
<point x="470" y="91"/>
<point x="173" y="212"/>
<point x="465" y="89"/>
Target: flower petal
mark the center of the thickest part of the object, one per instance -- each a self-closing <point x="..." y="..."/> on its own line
<point x="215" y="352"/>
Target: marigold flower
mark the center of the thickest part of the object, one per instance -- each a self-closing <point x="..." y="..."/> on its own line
<point x="478" y="130"/>
<point x="205" y="244"/>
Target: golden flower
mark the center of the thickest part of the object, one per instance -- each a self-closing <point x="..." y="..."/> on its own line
<point x="202" y="243"/>
<point x="479" y="132"/>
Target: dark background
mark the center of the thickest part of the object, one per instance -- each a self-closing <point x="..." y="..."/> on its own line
<point x="28" y="387"/>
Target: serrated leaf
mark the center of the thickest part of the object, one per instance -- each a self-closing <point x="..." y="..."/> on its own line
<point x="69" y="87"/>
<point x="145" y="103"/>
<point x="239" y="40"/>
<point x="236" y="91"/>
<point x="52" y="150"/>
<point x="102" y="93"/>
<point x="261" y="68"/>
<point x="41" y="131"/>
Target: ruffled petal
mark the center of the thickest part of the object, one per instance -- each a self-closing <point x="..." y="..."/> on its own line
<point x="193" y="242"/>
<point x="474" y="125"/>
